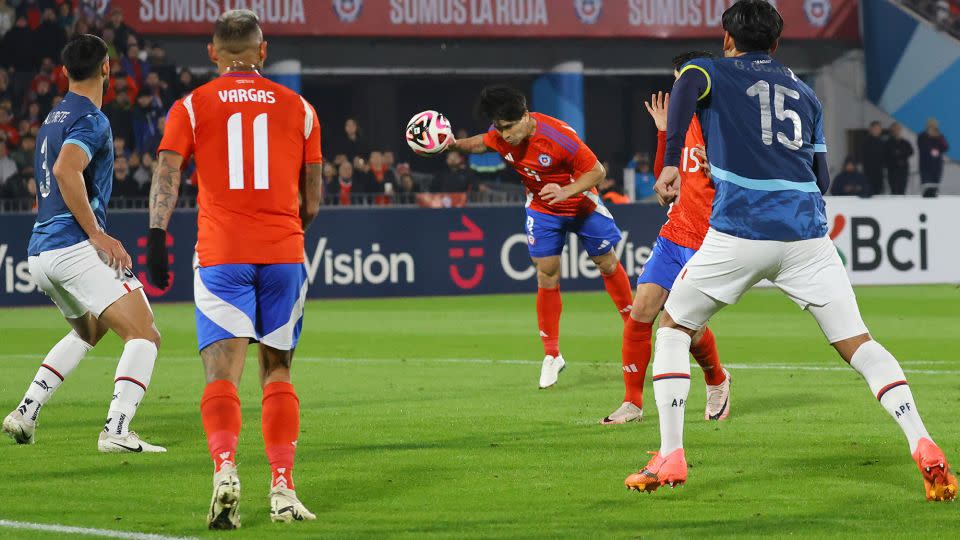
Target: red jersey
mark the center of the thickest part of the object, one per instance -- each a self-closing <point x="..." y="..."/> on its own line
<point x="689" y="215"/>
<point x="554" y="154"/>
<point x="250" y="138"/>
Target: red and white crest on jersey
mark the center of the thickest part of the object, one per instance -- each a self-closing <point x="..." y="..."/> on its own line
<point x="689" y="217"/>
<point x="250" y="138"/>
<point x="554" y="154"/>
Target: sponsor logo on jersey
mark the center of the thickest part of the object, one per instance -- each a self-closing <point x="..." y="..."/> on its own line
<point x="545" y="160"/>
<point x="347" y="11"/>
<point x="588" y="11"/>
<point x="817" y="12"/>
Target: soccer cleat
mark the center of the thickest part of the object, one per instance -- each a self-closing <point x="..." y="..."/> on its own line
<point x="130" y="443"/>
<point x="550" y="370"/>
<point x="660" y="471"/>
<point x="225" y="503"/>
<point x="627" y="412"/>
<point x="939" y="483"/>
<point x="286" y="507"/>
<point x="19" y="428"/>
<point x="718" y="400"/>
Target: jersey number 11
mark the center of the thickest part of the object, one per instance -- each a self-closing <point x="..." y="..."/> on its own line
<point x="261" y="156"/>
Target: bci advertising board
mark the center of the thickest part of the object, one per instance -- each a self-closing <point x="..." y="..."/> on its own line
<point x="354" y="253"/>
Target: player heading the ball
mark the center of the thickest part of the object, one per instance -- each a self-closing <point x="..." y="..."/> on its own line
<point x="561" y="175"/>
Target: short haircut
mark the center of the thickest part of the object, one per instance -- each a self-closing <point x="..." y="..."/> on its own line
<point x="237" y="30"/>
<point x="679" y="61"/>
<point x="500" y="102"/>
<point x="754" y="25"/>
<point x="83" y="55"/>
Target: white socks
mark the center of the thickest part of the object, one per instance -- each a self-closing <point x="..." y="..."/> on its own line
<point x="671" y="385"/>
<point x="889" y="385"/>
<point x="133" y="377"/>
<point x="58" y="364"/>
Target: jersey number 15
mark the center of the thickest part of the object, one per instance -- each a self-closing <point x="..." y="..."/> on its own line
<point x="261" y="155"/>
<point x="761" y="90"/>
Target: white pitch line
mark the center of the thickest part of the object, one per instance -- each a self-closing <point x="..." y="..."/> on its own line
<point x="66" y="529"/>
<point x="490" y="361"/>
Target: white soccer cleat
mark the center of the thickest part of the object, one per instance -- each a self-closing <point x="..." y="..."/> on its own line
<point x="225" y="503"/>
<point x="550" y="370"/>
<point x="286" y="507"/>
<point x="718" y="400"/>
<point x="19" y="428"/>
<point x="130" y="443"/>
<point x="627" y="412"/>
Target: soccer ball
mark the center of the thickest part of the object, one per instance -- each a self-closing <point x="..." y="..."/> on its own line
<point x="429" y="133"/>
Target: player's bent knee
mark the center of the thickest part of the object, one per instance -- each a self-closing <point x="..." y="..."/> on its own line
<point x="846" y="348"/>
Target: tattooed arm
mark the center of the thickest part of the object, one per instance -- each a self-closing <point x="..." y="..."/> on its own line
<point x="164" y="189"/>
<point x="163" y="199"/>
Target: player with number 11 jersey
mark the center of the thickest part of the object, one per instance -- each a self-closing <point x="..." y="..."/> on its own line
<point x="256" y="145"/>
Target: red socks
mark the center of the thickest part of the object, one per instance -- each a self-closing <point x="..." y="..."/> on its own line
<point x="281" y="428"/>
<point x="619" y="288"/>
<point x="549" y="307"/>
<point x="705" y="353"/>
<point x="220" y="410"/>
<point x="636" y="356"/>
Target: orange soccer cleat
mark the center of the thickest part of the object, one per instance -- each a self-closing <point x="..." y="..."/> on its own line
<point x="939" y="483"/>
<point x="660" y="471"/>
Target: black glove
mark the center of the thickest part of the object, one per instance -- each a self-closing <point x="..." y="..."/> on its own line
<point x="157" y="259"/>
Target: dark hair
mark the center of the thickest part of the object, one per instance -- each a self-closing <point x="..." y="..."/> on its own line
<point x="236" y="30"/>
<point x="679" y="61"/>
<point x="83" y="55"/>
<point x="502" y="102"/>
<point x="754" y="25"/>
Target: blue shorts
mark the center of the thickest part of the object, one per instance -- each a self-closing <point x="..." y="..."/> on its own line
<point x="665" y="263"/>
<point x="262" y="302"/>
<point x="547" y="233"/>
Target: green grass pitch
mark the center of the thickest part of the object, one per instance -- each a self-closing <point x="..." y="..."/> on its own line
<point x="421" y="417"/>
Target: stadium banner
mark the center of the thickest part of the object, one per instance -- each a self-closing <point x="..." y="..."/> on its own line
<point x="381" y="252"/>
<point x="678" y="19"/>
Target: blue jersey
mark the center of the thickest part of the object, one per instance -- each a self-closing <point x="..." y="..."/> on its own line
<point x="762" y="126"/>
<point x="76" y="120"/>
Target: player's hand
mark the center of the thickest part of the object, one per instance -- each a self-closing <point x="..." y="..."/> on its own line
<point x="667" y="186"/>
<point x="157" y="260"/>
<point x="700" y="152"/>
<point x="657" y="107"/>
<point x="111" y="251"/>
<point x="553" y="193"/>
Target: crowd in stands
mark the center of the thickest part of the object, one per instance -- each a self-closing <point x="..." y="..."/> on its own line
<point x="142" y="87"/>
<point x="944" y="13"/>
<point x="882" y="165"/>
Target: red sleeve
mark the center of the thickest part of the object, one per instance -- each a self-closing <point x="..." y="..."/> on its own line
<point x="661" y="149"/>
<point x="490" y="139"/>
<point x="311" y="148"/>
<point x="178" y="133"/>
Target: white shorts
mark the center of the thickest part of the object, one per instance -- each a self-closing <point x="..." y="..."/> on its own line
<point x="78" y="281"/>
<point x="810" y="272"/>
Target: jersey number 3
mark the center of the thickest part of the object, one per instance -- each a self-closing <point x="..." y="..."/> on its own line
<point x="761" y="90"/>
<point x="261" y="156"/>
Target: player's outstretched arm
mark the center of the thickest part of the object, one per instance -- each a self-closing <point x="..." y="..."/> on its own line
<point x="470" y="145"/>
<point x="311" y="192"/>
<point x="163" y="199"/>
<point x="68" y="171"/>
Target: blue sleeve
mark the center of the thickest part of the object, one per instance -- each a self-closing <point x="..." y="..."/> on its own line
<point x="820" y="168"/>
<point x="89" y="133"/>
<point x="692" y="86"/>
